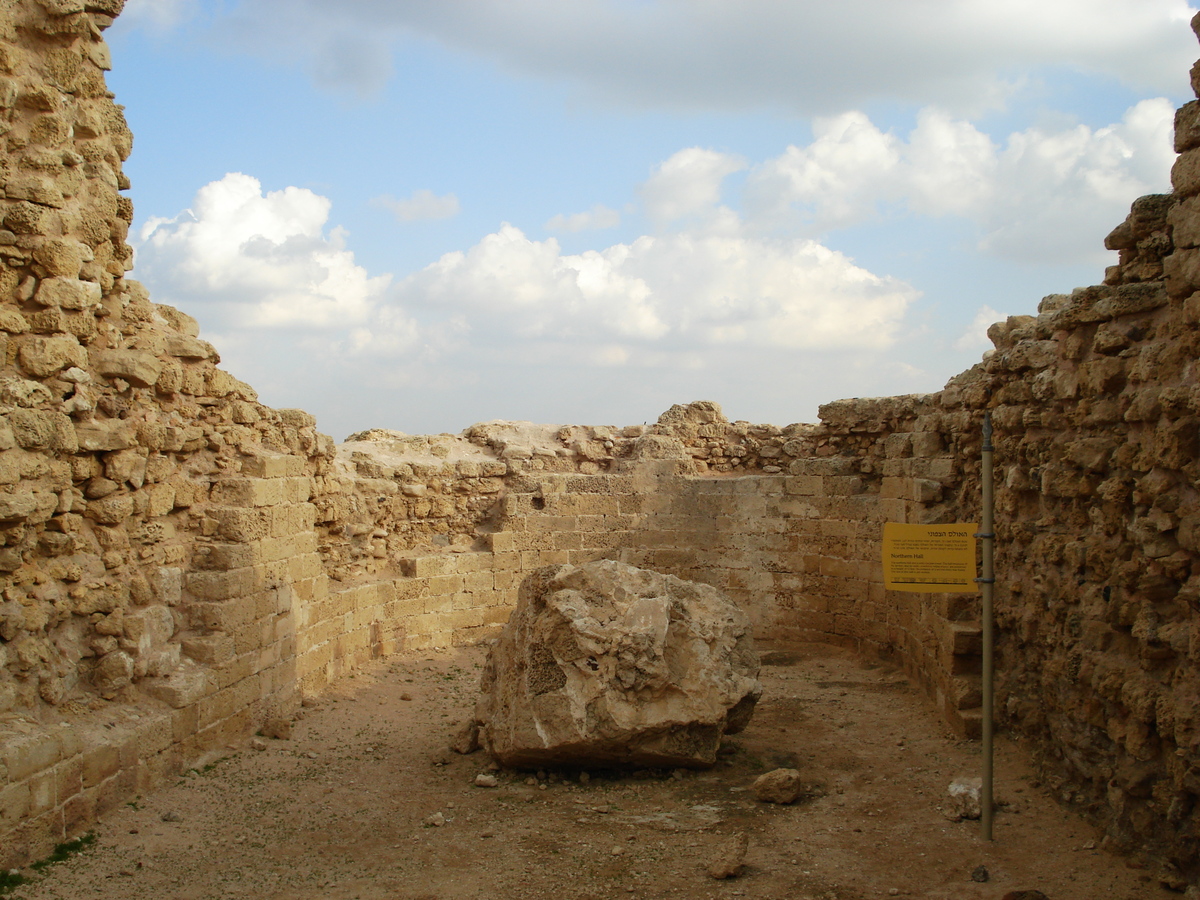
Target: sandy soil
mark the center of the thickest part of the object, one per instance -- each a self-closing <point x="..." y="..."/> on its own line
<point x="365" y="801"/>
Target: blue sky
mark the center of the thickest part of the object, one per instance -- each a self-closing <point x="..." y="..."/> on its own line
<point x="422" y="215"/>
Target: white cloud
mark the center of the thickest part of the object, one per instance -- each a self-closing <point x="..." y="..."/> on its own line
<point x="837" y="179"/>
<point x="278" y="290"/>
<point x="1044" y="195"/>
<point x="423" y="204"/>
<point x="809" y="56"/>
<point x="257" y="260"/>
<point x="687" y="184"/>
<point x="1058" y="194"/>
<point x="598" y="217"/>
<point x="672" y="290"/>
<point x="156" y="15"/>
<point x="974" y="336"/>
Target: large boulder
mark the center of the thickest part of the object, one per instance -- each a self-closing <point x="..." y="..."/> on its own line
<point x="605" y="664"/>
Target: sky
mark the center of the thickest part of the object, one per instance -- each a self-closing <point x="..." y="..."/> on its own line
<point x="418" y="216"/>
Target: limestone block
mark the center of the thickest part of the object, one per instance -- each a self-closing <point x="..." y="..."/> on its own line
<point x="295" y="418"/>
<point x="26" y="755"/>
<point x="240" y="525"/>
<point x="166" y="584"/>
<point x="160" y="499"/>
<point x="1185" y="173"/>
<point x="1184" y="219"/>
<point x="24" y="393"/>
<point x="68" y="293"/>
<point x="580" y="675"/>
<point x="1091" y="453"/>
<point x="43" y="357"/>
<point x="28" y="218"/>
<point x="225" y="585"/>
<point x="1102" y="376"/>
<point x="1187" y="126"/>
<point x="12" y="321"/>
<point x="274" y="466"/>
<point x="15" y="507"/>
<point x="111" y="510"/>
<point x="35" y="429"/>
<point x="287" y="520"/>
<point x="139" y="367"/>
<point x="186" y="347"/>
<point x="62" y="257"/>
<point x="247" y="492"/>
<point x="149" y="627"/>
<point x="35" y="188"/>
<point x="106" y="435"/>
<point x="170" y="380"/>
<point x="185" y="686"/>
<point x="212" y="649"/>
<point x="113" y="672"/>
<point x="1129" y="299"/>
<point x="180" y="321"/>
<point x="1032" y="355"/>
<point x="126" y="466"/>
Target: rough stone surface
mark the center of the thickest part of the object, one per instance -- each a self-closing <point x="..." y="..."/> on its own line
<point x="609" y="664"/>
<point x="730" y="858"/>
<point x="965" y="796"/>
<point x="779" y="786"/>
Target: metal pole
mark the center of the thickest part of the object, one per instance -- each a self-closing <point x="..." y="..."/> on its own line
<point x="987" y="582"/>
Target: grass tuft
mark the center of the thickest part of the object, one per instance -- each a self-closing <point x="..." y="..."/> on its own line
<point x="66" y="850"/>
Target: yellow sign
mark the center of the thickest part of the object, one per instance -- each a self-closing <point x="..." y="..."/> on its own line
<point x="929" y="558"/>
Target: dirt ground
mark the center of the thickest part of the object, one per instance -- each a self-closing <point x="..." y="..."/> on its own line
<point x="366" y="801"/>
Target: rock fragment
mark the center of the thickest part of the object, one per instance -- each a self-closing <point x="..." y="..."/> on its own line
<point x="965" y="794"/>
<point x="466" y="739"/>
<point x="730" y="857"/>
<point x="779" y="786"/>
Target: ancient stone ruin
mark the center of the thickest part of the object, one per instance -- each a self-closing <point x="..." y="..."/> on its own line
<point x="181" y="563"/>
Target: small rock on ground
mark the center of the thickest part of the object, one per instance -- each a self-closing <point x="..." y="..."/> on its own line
<point x="779" y="786"/>
<point x="466" y="739"/>
<point x="729" y="858"/>
<point x="965" y="797"/>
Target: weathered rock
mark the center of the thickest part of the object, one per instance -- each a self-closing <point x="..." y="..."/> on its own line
<point x="779" y="786"/>
<point x="608" y="664"/>
<point x="466" y="739"/>
<point x="730" y="857"/>
<point x="965" y="797"/>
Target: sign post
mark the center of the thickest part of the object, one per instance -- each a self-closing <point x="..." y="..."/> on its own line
<point x="941" y="559"/>
<point x="987" y="582"/>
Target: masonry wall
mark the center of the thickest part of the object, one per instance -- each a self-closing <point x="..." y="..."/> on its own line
<point x="180" y="562"/>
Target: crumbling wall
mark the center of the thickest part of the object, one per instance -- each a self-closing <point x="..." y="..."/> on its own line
<point x="180" y="561"/>
<point x="154" y="517"/>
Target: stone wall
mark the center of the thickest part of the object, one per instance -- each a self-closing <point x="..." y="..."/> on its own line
<point x="155" y="527"/>
<point x="180" y="562"/>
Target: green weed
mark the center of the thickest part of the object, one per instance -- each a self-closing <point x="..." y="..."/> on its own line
<point x="9" y="879"/>
<point x="65" y="851"/>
